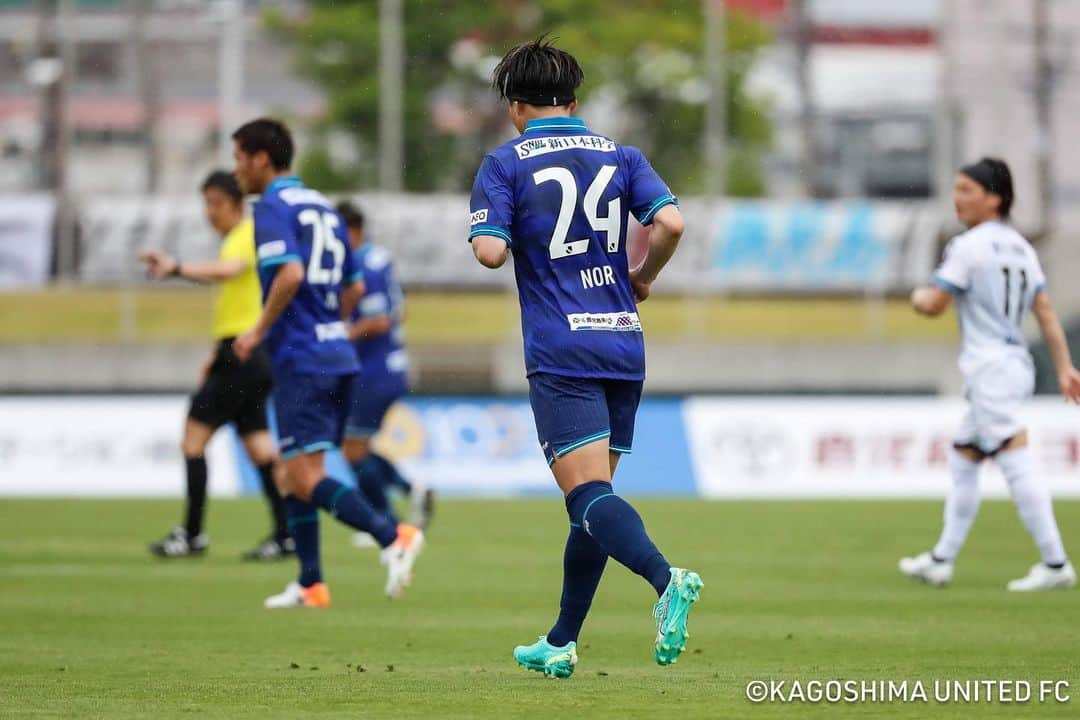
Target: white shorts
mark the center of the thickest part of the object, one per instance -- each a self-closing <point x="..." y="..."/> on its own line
<point x="995" y="395"/>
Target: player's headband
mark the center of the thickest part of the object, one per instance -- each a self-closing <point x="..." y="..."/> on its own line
<point x="985" y="174"/>
<point x="539" y="98"/>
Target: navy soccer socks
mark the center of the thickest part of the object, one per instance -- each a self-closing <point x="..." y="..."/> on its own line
<point x="583" y="566"/>
<point x="349" y="506"/>
<point x="390" y="474"/>
<point x="304" y="526"/>
<point x="275" y="501"/>
<point x="618" y="530"/>
<point x="196" y="495"/>
<point x="372" y="481"/>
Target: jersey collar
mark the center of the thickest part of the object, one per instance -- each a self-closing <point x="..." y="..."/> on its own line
<point x="280" y="183"/>
<point x="551" y="124"/>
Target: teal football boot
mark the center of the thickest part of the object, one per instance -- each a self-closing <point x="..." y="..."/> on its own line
<point x="544" y="657"/>
<point x="670" y="614"/>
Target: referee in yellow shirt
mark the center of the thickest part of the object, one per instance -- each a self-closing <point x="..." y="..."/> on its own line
<point x="230" y="390"/>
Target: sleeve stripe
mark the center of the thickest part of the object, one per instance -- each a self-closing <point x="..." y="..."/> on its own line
<point x="493" y="230"/>
<point x="1038" y="289"/>
<point x="660" y="202"/>
<point x="280" y="260"/>
<point x="358" y="275"/>
<point x="947" y="286"/>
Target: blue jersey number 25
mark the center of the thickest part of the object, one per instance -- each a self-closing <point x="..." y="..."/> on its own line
<point x="612" y="224"/>
<point x="323" y="240"/>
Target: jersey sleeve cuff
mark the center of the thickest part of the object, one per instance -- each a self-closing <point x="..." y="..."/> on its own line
<point x="646" y="217"/>
<point x="355" y="277"/>
<point x="492" y="230"/>
<point x="947" y="286"/>
<point x="280" y="260"/>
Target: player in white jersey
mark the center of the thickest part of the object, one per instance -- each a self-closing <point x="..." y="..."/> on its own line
<point x="993" y="275"/>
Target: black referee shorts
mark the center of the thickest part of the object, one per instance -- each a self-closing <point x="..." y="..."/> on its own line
<point x="234" y="391"/>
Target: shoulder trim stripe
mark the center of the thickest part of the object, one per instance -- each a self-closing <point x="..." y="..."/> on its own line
<point x="280" y="260"/>
<point x="947" y="286"/>
<point x="659" y="203"/>
<point x="493" y="230"/>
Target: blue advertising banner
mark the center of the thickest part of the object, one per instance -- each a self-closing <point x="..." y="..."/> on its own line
<point x="487" y="447"/>
<point x="819" y="245"/>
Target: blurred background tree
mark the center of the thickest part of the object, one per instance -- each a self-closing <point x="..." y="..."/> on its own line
<point x="644" y="85"/>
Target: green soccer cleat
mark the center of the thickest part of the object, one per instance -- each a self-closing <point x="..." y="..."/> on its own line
<point x="542" y="656"/>
<point x="670" y="613"/>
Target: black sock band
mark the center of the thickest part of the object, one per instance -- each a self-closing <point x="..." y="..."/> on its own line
<point x="275" y="501"/>
<point x="196" y="495"/>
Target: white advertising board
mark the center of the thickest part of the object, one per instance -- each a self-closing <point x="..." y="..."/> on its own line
<point x="117" y="446"/>
<point x="856" y="447"/>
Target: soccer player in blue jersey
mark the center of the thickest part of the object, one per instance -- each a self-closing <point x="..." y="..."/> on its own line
<point x="309" y="283"/>
<point x="556" y="200"/>
<point x="379" y="339"/>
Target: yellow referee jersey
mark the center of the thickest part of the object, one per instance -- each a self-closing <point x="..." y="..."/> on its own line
<point x="239" y="299"/>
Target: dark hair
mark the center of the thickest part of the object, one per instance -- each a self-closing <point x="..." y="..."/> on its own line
<point x="226" y="183"/>
<point x="351" y="214"/>
<point x="538" y="73"/>
<point x="994" y="176"/>
<point x="269" y="136"/>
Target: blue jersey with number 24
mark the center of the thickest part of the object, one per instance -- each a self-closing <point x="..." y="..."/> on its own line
<point x="559" y="196"/>
<point x="297" y="224"/>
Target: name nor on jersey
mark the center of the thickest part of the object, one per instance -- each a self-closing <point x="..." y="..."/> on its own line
<point x="534" y="147"/>
<point x="597" y="277"/>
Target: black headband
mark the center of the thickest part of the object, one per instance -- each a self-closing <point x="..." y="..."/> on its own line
<point x="983" y="173"/>
<point x="539" y="98"/>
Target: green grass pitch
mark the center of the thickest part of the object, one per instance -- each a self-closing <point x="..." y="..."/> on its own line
<point x="91" y="627"/>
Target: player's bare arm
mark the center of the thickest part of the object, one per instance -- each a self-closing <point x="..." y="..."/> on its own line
<point x="667" y="229"/>
<point x="350" y="298"/>
<point x="160" y="265"/>
<point x="1054" y="337"/>
<point x="490" y="251"/>
<point x="366" y="327"/>
<point x="286" y="282"/>
<point x="370" y="327"/>
<point x="930" y="301"/>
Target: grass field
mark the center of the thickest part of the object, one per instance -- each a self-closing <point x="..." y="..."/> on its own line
<point x="183" y="315"/>
<point x="90" y="627"/>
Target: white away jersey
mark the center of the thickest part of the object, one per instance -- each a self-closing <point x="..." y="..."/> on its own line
<point x="994" y="275"/>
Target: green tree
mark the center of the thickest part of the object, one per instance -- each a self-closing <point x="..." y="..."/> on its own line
<point x="642" y="55"/>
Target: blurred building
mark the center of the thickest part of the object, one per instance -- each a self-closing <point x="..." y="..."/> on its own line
<point x="854" y="86"/>
<point x="148" y="85"/>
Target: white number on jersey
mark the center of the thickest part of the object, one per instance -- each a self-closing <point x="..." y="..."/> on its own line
<point x="612" y="224"/>
<point x="323" y="240"/>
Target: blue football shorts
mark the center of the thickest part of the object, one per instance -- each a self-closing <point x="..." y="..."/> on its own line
<point x="311" y="410"/>
<point x="572" y="412"/>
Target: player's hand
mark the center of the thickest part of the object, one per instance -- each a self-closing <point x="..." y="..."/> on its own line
<point x="641" y="289"/>
<point x="204" y="371"/>
<point x="1069" y="383"/>
<point x="244" y="345"/>
<point x="158" y="264"/>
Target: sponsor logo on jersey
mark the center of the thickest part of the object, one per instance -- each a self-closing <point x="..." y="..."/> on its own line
<point x="272" y="249"/>
<point x="616" y="321"/>
<point x="534" y="147"/>
<point x="331" y="331"/>
<point x="397" y="361"/>
<point x="478" y="217"/>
